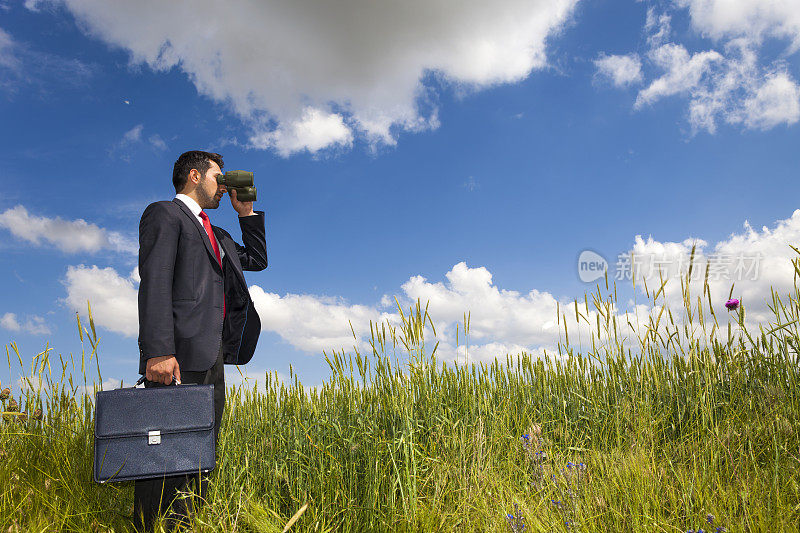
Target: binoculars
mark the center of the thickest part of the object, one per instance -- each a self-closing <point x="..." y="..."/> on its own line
<point x="242" y="181"/>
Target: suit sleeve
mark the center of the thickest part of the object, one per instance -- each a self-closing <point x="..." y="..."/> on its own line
<point x="158" y="244"/>
<point x="253" y="255"/>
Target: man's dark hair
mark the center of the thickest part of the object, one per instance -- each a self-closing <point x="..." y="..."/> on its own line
<point x="192" y="159"/>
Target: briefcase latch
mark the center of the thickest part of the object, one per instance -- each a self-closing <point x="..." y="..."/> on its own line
<point x="153" y="437"/>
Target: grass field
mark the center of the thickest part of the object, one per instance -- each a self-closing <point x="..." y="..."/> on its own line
<point x="688" y="425"/>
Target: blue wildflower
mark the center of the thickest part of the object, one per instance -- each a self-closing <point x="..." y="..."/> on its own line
<point x="515" y="521"/>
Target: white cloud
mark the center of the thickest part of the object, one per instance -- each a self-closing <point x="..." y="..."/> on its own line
<point x="69" y="236"/>
<point x="112" y="383"/>
<point x="313" y="323"/>
<point x="7" y="57"/>
<point x="501" y="320"/>
<point x="22" y="67"/>
<point x="358" y="60"/>
<point x="505" y="321"/>
<point x="753" y="261"/>
<point x="498" y="315"/>
<point x="622" y="70"/>
<point x="113" y="298"/>
<point x="9" y="321"/>
<point x="157" y="142"/>
<point x="683" y="72"/>
<point x="657" y="27"/>
<point x="133" y="135"/>
<point x="754" y="19"/>
<point x="776" y="102"/>
<point x="314" y="131"/>
<point x="309" y="323"/>
<point x="731" y="87"/>
<point x="35" y="325"/>
<point x="734" y="83"/>
<point x="132" y="138"/>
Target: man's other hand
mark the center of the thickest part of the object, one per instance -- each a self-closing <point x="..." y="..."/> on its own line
<point x="161" y="369"/>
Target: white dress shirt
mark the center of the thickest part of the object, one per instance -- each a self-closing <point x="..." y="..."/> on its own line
<point x="194" y="207"/>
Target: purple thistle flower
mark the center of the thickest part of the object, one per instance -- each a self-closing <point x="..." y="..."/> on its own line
<point x="732" y="304"/>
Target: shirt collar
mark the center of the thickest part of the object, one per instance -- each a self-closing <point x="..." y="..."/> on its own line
<point x="193" y="206"/>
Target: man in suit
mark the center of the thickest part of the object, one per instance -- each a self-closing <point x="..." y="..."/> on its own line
<point x="195" y="311"/>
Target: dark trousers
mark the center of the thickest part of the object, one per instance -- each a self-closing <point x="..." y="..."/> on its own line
<point x="152" y="497"/>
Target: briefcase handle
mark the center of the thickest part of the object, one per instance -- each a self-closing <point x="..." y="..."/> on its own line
<point x="141" y="380"/>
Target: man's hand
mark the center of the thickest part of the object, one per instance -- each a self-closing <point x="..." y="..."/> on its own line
<point x="243" y="208"/>
<point x="161" y="369"/>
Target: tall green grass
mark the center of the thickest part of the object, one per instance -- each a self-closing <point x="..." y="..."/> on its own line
<point x="651" y="432"/>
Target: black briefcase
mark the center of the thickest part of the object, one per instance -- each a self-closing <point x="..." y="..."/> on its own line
<point x="153" y="432"/>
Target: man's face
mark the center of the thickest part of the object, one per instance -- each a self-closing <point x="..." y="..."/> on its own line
<point x="209" y="192"/>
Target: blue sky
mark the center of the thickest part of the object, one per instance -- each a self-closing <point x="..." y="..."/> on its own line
<point x="465" y="157"/>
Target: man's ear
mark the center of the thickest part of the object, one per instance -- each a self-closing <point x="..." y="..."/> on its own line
<point x="194" y="176"/>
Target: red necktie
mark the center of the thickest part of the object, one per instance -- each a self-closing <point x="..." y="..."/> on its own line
<point x="215" y="246"/>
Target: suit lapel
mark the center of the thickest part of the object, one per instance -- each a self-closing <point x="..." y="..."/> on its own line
<point x="200" y="228"/>
<point x="230" y="253"/>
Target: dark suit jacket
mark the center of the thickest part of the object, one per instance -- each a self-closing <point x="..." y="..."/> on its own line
<point x="182" y="285"/>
